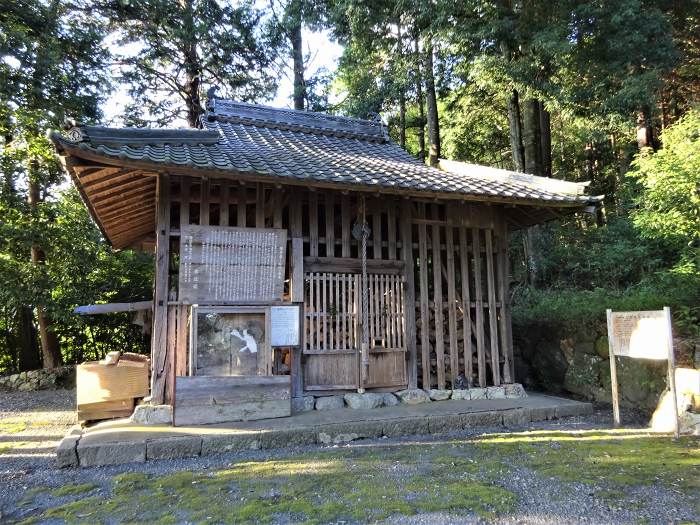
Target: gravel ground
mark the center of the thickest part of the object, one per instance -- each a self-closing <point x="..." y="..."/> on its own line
<point x="48" y="415"/>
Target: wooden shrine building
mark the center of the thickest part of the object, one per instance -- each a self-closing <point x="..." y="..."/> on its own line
<point x="264" y="209"/>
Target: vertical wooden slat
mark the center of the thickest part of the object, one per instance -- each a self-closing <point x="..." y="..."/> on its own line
<point x="343" y="313"/>
<point x="312" y="311"/>
<point x="181" y="349"/>
<point x="159" y="344"/>
<point x="493" y="323"/>
<point x="297" y="288"/>
<point x="376" y="229"/>
<point x="259" y="205"/>
<point x="330" y="224"/>
<point x="466" y="304"/>
<point x="223" y="205"/>
<point x="313" y="224"/>
<point x="424" y="305"/>
<point x="172" y="356"/>
<point x="451" y="301"/>
<point x="319" y="320"/>
<point x="502" y="298"/>
<point x="204" y="202"/>
<point x="324" y="309"/>
<point x="391" y="229"/>
<point x="408" y="328"/>
<point x="345" y="226"/>
<point x="437" y="301"/>
<point x="479" y="307"/>
<point x="241" y="210"/>
<point x="277" y="207"/>
<point x="184" y="202"/>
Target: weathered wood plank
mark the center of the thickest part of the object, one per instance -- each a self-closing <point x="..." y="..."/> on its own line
<point x="159" y="340"/>
<point x="479" y="302"/>
<point x="502" y="254"/>
<point x="313" y="224"/>
<point x="391" y="229"/>
<point x="182" y="337"/>
<point x="437" y="301"/>
<point x="451" y="303"/>
<point x="297" y="287"/>
<point x="493" y="323"/>
<point x="224" y="205"/>
<point x="424" y="306"/>
<point x="277" y="207"/>
<point x="204" y="202"/>
<point x="329" y="206"/>
<point x="241" y="211"/>
<point x="345" y="225"/>
<point x="259" y="206"/>
<point x="351" y="265"/>
<point x="468" y="349"/>
<point x="376" y="228"/>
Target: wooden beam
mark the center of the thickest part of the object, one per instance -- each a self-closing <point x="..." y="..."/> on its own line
<point x="452" y="304"/>
<point x="437" y="302"/>
<point x="159" y="344"/>
<point x="329" y="208"/>
<point x="376" y="229"/>
<point x="424" y="305"/>
<point x="110" y="308"/>
<point x="204" y="202"/>
<point x="346" y="226"/>
<point x="313" y="224"/>
<point x="466" y="305"/>
<point x="493" y="323"/>
<point x="259" y="206"/>
<point x="224" y="205"/>
<point x="297" y="287"/>
<point x="479" y="300"/>
<point x="409" y="303"/>
<point x="184" y="202"/>
<point x="241" y="210"/>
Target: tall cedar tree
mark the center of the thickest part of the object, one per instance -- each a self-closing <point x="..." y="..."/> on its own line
<point x="53" y="69"/>
<point x="184" y="47"/>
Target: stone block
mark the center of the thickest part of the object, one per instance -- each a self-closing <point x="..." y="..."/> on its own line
<point x="406" y="427"/>
<point x="346" y="432"/>
<point x="413" y="396"/>
<point x="293" y="437"/>
<point x="574" y="409"/>
<point x="390" y="400"/>
<point x="330" y="403"/>
<point x="542" y="413"/>
<point x="445" y="424"/>
<point x="516" y="417"/>
<point x="515" y="391"/>
<point x="302" y="404"/>
<point x="482" y="419"/>
<point x="439" y="395"/>
<point x="477" y="393"/>
<point x="117" y="453"/>
<point x="495" y="392"/>
<point x="66" y="453"/>
<point x="152" y="415"/>
<point x="219" y="444"/>
<point x="366" y="400"/>
<point x="175" y="447"/>
<point x="461" y="394"/>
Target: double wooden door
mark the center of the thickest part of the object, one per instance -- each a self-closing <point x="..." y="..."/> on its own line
<point x="333" y="331"/>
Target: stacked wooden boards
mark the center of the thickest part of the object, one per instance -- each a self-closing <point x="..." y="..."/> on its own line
<point x="107" y="391"/>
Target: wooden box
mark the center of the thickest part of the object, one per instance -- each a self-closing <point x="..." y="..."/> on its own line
<point x="125" y="380"/>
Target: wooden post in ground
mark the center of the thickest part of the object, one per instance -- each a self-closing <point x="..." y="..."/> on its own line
<point x="672" y="371"/>
<point x="159" y="341"/>
<point x="613" y="371"/>
<point x="297" y="287"/>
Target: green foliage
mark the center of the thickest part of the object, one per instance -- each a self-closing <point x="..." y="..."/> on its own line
<point x="668" y="203"/>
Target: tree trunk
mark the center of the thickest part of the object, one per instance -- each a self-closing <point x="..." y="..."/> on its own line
<point x="645" y="132"/>
<point x="402" y="121"/>
<point x="49" y="342"/>
<point x="515" y="127"/>
<point x="26" y="342"/>
<point x="545" y="141"/>
<point x="419" y="102"/>
<point x="431" y="98"/>
<point x="532" y="137"/>
<point x="297" y="55"/>
<point x="191" y="65"/>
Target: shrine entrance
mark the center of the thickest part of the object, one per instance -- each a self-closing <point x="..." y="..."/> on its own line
<point x="333" y="327"/>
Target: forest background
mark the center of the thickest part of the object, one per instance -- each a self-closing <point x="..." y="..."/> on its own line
<point x="589" y="90"/>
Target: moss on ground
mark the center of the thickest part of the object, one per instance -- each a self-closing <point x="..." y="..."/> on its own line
<point x="73" y="490"/>
<point x="12" y="426"/>
<point x="369" y="483"/>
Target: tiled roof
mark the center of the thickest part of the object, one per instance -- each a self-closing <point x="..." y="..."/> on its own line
<point x="247" y="139"/>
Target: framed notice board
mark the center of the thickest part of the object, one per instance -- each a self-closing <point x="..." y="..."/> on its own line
<point x="221" y="264"/>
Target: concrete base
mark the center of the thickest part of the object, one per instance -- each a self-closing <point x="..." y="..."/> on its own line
<point x="116" y="442"/>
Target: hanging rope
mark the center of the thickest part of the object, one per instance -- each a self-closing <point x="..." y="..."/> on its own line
<point x="361" y="232"/>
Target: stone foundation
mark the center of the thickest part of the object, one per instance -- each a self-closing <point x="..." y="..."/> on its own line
<point x="43" y="379"/>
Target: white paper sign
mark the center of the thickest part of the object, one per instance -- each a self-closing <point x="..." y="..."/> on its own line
<point x="284" y="325"/>
<point x="642" y="335"/>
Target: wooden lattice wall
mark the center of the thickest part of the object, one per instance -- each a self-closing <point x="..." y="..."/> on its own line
<point x="451" y="258"/>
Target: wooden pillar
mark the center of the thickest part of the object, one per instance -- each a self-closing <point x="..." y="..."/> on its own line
<point x="204" y="202"/>
<point x="409" y="305"/>
<point x="159" y="341"/>
<point x="297" y="284"/>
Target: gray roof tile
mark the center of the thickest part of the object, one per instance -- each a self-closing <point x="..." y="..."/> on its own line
<point x="306" y="146"/>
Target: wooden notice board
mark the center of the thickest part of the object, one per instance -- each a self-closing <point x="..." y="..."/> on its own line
<point x="225" y="265"/>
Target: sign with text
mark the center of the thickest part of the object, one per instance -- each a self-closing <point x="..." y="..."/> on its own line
<point x="223" y="265"/>
<point x="284" y="325"/>
<point x="643" y="335"/>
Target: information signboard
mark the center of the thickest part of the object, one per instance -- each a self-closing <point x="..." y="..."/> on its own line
<point x="284" y="325"/>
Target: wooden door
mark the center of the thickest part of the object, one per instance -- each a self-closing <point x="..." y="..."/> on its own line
<point x="333" y="331"/>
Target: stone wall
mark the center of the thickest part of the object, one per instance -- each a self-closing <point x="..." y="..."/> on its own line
<point x="44" y="379"/>
<point x="550" y="359"/>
